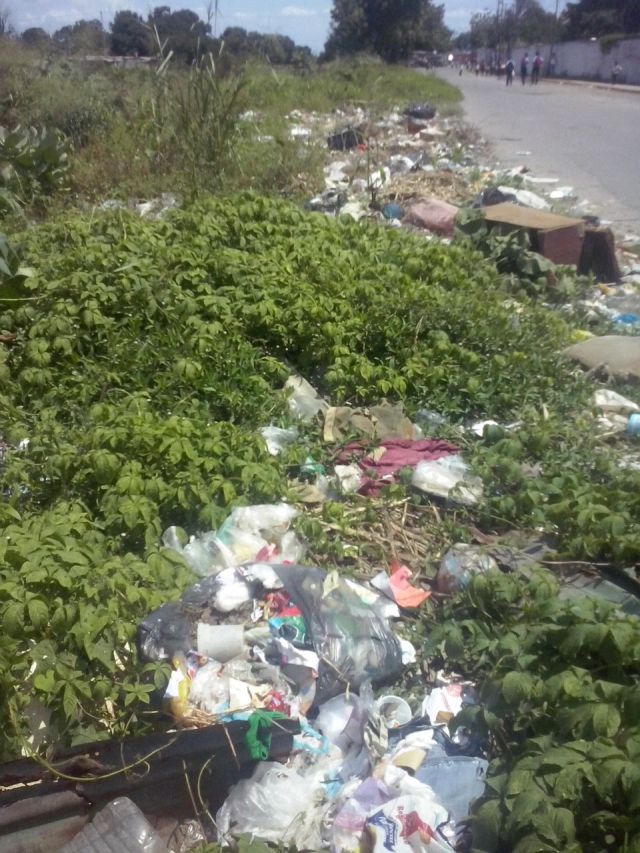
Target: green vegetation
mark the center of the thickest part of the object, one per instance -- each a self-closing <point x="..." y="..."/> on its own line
<point x="560" y="695"/>
<point x="139" y="359"/>
<point x="137" y="133"/>
<point x="34" y="163"/>
<point x="147" y="354"/>
<point x="390" y="28"/>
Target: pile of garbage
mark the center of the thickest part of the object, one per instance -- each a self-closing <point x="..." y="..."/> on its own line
<point x="262" y="638"/>
<point x="415" y="169"/>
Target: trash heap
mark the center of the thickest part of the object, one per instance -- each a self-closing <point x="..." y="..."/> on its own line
<point x="415" y="169"/>
<point x="269" y="638"/>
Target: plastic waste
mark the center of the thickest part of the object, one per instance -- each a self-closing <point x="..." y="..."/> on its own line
<point x="394" y="711"/>
<point x="611" y="402"/>
<point x="259" y="533"/>
<point x="420" y="110"/>
<point x="448" y="477"/>
<point x="173" y="627"/>
<point x="379" y="178"/>
<point x="277" y="439"/>
<point x="561" y="192"/>
<point x="407" y="824"/>
<point x="429" y="421"/>
<point x="393" y="211"/>
<point x="458" y="566"/>
<point x="345" y="139"/>
<point x="220" y="642"/>
<point x="396" y="586"/>
<point x="352" y="815"/>
<point x="334" y="714"/>
<point x="355" y="209"/>
<point x="201" y="553"/>
<point x="633" y="425"/>
<point x="443" y="703"/>
<point x="526" y="198"/>
<point x="270" y="805"/>
<point x="456" y="780"/>
<point x="120" y="827"/>
<point x="353" y="641"/>
<point x="400" y="165"/>
<point x="304" y="401"/>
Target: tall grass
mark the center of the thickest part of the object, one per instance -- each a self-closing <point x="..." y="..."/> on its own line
<point x="138" y="132"/>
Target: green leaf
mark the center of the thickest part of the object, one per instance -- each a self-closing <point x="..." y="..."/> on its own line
<point x="533" y="844"/>
<point x="38" y="613"/>
<point x="69" y="702"/>
<point x="606" y="720"/>
<point x="45" y="681"/>
<point x="13" y="619"/>
<point x="516" y="687"/>
<point x="487" y="821"/>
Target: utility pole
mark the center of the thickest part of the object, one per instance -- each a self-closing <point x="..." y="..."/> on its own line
<point x="499" y="20"/>
<point x="555" y="37"/>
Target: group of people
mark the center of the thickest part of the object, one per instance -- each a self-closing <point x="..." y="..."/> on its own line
<point x="536" y="66"/>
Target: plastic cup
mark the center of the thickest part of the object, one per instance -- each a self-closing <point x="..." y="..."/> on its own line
<point x="394" y="711"/>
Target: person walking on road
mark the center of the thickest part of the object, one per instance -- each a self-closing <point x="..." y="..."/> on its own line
<point x="524" y="68"/>
<point x="509" y="71"/>
<point x="535" y="69"/>
<point x="616" y="72"/>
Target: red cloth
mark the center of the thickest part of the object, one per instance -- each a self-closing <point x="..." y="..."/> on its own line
<point x="399" y="453"/>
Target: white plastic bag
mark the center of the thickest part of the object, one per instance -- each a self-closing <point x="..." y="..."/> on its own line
<point x="270" y="805"/>
<point x="277" y="439"/>
<point x="408" y="824"/>
<point x="448" y="477"/>
<point x="304" y="400"/>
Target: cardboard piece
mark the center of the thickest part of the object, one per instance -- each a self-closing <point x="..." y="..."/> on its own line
<point x="558" y="238"/>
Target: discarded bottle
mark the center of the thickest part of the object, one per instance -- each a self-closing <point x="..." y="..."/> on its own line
<point x="633" y="425"/>
<point x="459" y="565"/>
<point x="120" y="827"/>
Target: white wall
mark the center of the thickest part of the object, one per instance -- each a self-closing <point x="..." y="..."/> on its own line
<point x="585" y="60"/>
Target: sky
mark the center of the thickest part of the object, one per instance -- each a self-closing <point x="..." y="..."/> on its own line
<point x="305" y="21"/>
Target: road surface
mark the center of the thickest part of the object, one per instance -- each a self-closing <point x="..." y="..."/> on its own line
<point x="586" y="137"/>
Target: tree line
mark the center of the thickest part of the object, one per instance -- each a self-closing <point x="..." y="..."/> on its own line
<point x="393" y="29"/>
<point x="181" y="31"/>
<point x="527" y="22"/>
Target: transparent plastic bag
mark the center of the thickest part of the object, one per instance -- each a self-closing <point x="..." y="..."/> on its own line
<point x="352" y="639"/>
<point x="448" y="477"/>
<point x="458" y="566"/>
<point x="270" y="805"/>
<point x="250" y="533"/>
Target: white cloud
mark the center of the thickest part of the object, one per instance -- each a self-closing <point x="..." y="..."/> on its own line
<point x="245" y="16"/>
<point x="297" y="12"/>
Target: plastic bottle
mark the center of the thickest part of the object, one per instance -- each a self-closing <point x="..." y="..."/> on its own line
<point x="120" y="827"/>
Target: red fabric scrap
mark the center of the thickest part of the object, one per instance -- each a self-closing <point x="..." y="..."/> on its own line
<point x="399" y="453"/>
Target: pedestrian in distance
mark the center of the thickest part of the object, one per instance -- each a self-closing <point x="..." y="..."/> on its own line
<point x="616" y="72"/>
<point x="535" y="69"/>
<point x="509" y="70"/>
<point x="552" y="65"/>
<point x="524" y="68"/>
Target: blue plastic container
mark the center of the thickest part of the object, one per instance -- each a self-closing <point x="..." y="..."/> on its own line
<point x="633" y="425"/>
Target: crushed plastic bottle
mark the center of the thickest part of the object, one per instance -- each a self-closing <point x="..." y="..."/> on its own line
<point x="120" y="827"/>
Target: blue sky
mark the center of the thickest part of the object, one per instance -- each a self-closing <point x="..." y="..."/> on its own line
<point x="305" y="21"/>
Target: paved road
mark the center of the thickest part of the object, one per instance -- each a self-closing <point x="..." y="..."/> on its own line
<point x="588" y="138"/>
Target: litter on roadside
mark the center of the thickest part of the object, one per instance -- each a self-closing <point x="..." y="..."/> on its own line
<point x="259" y="533"/>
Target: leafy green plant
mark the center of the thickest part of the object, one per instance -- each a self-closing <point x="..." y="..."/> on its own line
<point x="558" y="706"/>
<point x="524" y="271"/>
<point x="32" y="162"/>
